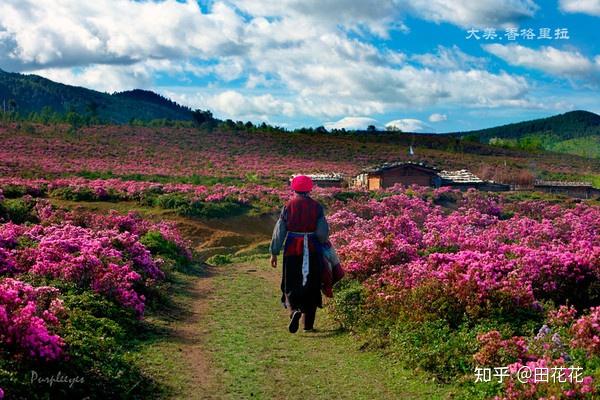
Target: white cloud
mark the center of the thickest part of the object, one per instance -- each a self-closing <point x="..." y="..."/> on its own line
<point x="550" y="60"/>
<point x="113" y="78"/>
<point x="449" y="58"/>
<point x="351" y="123"/>
<point x="46" y="33"/>
<point x="313" y="56"/>
<point x="408" y="125"/>
<point x="235" y="105"/>
<point x="468" y="13"/>
<point x="379" y="15"/>
<point x="591" y="7"/>
<point x="435" y="117"/>
<point x="36" y="34"/>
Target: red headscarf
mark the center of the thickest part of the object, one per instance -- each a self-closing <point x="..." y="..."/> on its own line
<point x="302" y="183"/>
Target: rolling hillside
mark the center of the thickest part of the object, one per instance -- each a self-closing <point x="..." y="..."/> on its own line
<point x="30" y="93"/>
<point x="575" y="132"/>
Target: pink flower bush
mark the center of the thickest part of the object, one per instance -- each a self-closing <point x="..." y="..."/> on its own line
<point x="561" y="382"/>
<point x="405" y="241"/>
<point x="563" y="316"/>
<point x="586" y="332"/>
<point x="28" y="315"/>
<point x="475" y="260"/>
<point x="100" y="252"/>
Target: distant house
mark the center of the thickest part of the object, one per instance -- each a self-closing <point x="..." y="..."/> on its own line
<point x="411" y="173"/>
<point x="326" y="180"/>
<point x="404" y="173"/>
<point x="582" y="190"/>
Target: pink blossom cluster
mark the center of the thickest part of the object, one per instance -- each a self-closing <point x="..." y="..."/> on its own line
<point x="549" y="351"/>
<point x="88" y="258"/>
<point x="133" y="225"/>
<point x="562" y="381"/>
<point x="586" y="332"/>
<point x="103" y="189"/>
<point x="100" y="252"/>
<point x="476" y="255"/>
<point x="28" y="317"/>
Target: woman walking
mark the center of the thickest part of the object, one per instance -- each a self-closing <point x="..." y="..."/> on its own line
<point x="300" y="230"/>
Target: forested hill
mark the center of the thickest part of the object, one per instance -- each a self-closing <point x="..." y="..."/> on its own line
<point x="574" y="124"/>
<point x="27" y="94"/>
<point x="574" y="132"/>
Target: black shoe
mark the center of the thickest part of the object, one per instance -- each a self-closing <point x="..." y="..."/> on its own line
<point x="295" y="322"/>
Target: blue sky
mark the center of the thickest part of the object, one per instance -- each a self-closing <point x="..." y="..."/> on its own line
<point x="338" y="63"/>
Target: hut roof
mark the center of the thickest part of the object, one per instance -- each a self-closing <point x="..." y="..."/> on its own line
<point x="562" y="184"/>
<point x="334" y="176"/>
<point x="460" y="176"/>
<point x="387" y="166"/>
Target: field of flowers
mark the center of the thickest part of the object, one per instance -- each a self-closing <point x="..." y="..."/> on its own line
<point x="456" y="282"/>
<point x="73" y="287"/>
<point x="447" y="282"/>
<point x="120" y="151"/>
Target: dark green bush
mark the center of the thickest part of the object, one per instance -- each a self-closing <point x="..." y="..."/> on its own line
<point x="159" y="246"/>
<point x="14" y="191"/>
<point x="435" y="347"/>
<point x="67" y="193"/>
<point x="18" y="211"/>
<point x="347" y="303"/>
<point x="221" y="209"/>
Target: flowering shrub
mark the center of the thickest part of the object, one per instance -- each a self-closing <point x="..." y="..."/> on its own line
<point x="586" y="332"/>
<point x="106" y="255"/>
<point x="482" y="263"/>
<point x="567" y="388"/>
<point x="28" y="316"/>
<point x="104" y="271"/>
<point x="403" y="242"/>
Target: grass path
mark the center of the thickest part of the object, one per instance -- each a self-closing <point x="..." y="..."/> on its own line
<point x="251" y="355"/>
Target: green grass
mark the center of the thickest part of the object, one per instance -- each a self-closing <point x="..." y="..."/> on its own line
<point x="588" y="146"/>
<point x="160" y="357"/>
<point x="256" y="357"/>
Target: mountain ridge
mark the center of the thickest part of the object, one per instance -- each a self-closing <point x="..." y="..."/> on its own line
<point x="587" y="122"/>
<point x="32" y="93"/>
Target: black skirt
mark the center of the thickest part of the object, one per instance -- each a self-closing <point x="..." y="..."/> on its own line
<point x="302" y="297"/>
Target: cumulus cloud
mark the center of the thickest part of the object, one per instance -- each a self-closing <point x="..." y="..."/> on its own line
<point x="351" y="123"/>
<point x="591" y="7"/>
<point x="46" y="33"/>
<point x="449" y="58"/>
<point x="550" y="60"/>
<point x="466" y="13"/>
<point x="313" y="56"/>
<point x="435" y="117"/>
<point x="112" y="78"/>
<point x="235" y="105"/>
<point x="407" y="125"/>
<point x="379" y="15"/>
